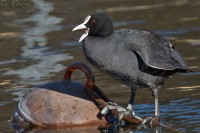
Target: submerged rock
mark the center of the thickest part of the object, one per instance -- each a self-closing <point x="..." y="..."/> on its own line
<point x="58" y="104"/>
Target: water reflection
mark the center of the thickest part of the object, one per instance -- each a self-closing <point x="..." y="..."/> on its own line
<point x="176" y="32"/>
<point x="36" y="48"/>
<point x="146" y="7"/>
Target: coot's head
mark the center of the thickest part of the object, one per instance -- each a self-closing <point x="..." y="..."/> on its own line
<point x="98" y="24"/>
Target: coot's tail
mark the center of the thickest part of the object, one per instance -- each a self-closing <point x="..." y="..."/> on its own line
<point x="179" y="63"/>
<point x="185" y="70"/>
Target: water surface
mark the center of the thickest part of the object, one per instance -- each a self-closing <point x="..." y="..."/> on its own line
<point x="37" y="47"/>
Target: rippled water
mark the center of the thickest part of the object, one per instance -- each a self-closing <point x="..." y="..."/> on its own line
<point x="37" y="47"/>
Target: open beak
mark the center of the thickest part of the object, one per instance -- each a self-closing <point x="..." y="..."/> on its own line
<point x="82" y="26"/>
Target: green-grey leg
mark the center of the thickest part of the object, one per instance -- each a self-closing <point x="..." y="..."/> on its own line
<point x="131" y="102"/>
<point x="157" y="109"/>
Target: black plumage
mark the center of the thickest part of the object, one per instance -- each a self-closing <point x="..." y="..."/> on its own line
<point x="139" y="58"/>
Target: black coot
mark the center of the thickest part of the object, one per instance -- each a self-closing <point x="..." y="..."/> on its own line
<point x="137" y="57"/>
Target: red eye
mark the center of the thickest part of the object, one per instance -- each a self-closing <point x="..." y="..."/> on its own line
<point x="93" y="21"/>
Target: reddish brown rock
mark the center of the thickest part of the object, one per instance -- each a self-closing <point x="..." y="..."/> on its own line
<point x="44" y="107"/>
<point x="58" y="104"/>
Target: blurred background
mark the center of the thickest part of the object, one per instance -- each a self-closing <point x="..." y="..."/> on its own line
<point x="37" y="44"/>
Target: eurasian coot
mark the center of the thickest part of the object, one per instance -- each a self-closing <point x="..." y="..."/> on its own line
<point x="139" y="58"/>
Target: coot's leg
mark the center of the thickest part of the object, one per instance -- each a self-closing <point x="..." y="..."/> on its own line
<point x="150" y="120"/>
<point x="157" y="109"/>
<point x="122" y="111"/>
<point x="131" y="102"/>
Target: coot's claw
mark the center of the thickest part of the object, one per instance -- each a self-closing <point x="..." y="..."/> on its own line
<point x="121" y="112"/>
<point x="115" y="120"/>
<point x="152" y="121"/>
<point x="111" y="106"/>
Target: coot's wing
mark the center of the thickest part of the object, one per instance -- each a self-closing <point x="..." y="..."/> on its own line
<point x="154" y="50"/>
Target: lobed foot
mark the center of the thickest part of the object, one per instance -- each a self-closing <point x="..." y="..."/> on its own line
<point x="130" y="109"/>
<point x="110" y="117"/>
<point x="113" y="105"/>
<point x="151" y="121"/>
<point x="121" y="111"/>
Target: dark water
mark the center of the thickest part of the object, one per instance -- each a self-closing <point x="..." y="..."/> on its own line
<point x="37" y="44"/>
